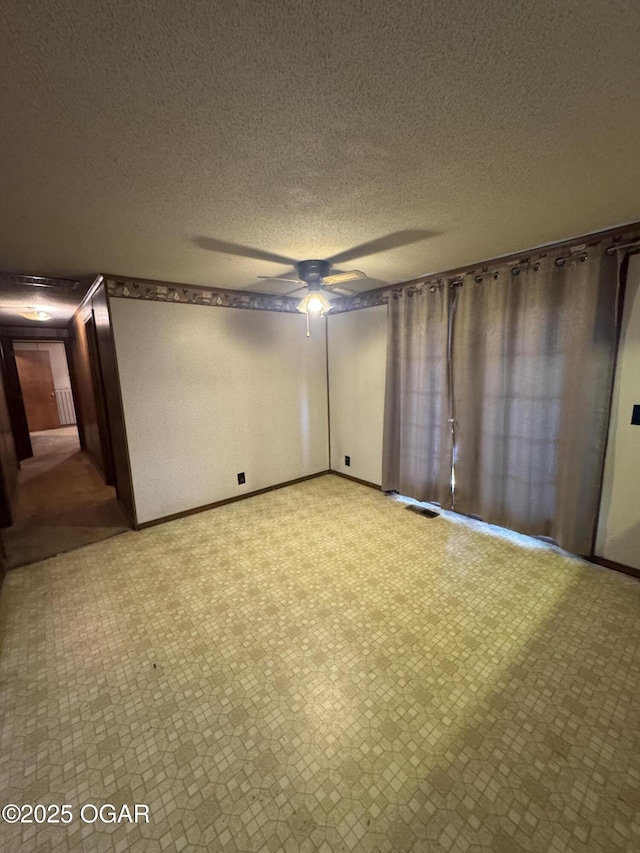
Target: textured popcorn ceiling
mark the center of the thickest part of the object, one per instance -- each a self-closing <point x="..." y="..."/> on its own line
<point x="132" y="131"/>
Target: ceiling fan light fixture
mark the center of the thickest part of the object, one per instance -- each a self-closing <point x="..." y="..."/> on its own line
<point x="314" y="302"/>
<point x="35" y="314"/>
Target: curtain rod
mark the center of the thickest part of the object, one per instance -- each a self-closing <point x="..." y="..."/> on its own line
<point x="563" y="251"/>
<point x="518" y="258"/>
<point x="613" y="249"/>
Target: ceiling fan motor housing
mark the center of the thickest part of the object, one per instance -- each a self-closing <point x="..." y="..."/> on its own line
<point x="312" y="272"/>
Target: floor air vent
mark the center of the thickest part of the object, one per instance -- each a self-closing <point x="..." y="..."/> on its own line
<point x="419" y="510"/>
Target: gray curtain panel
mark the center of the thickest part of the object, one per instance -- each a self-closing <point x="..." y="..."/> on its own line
<point x="416" y="457"/>
<point x="532" y="362"/>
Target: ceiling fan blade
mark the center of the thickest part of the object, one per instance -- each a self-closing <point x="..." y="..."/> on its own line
<point x="280" y="278"/>
<point x="343" y="291"/>
<point x="213" y="245"/>
<point x="293" y="292"/>
<point x="339" y="277"/>
<point x="382" y="244"/>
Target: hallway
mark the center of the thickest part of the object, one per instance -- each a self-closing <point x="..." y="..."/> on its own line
<point x="62" y="502"/>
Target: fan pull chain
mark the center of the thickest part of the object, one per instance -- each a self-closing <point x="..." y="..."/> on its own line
<point x="308" y="332"/>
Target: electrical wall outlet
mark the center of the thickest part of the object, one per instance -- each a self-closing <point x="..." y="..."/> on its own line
<point x="241" y="479"/>
<point x="347" y="461"/>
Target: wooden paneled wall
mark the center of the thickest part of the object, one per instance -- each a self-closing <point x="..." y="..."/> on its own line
<point x="8" y="462"/>
<point x="86" y="398"/>
<point x="97" y="393"/>
<point x="113" y="400"/>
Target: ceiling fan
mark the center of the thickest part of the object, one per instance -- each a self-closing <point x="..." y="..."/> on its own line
<point x="317" y="273"/>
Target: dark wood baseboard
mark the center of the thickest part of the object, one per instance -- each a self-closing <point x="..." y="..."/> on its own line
<point x="617" y="567"/>
<point x="197" y="509"/>
<point x="356" y="480"/>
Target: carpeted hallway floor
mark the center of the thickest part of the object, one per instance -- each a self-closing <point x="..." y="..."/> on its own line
<point x="318" y="669"/>
<point x="61" y="501"/>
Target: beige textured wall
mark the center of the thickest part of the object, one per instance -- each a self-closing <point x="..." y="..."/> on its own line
<point x="357" y="365"/>
<point x="619" y="528"/>
<point x="209" y="392"/>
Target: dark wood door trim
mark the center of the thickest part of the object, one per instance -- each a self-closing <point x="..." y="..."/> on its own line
<point x="97" y="377"/>
<point x="15" y="404"/>
<point x="115" y="410"/>
<point x="73" y="379"/>
<point x="96" y="305"/>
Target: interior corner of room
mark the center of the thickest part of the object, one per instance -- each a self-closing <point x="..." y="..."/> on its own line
<point x="618" y="535"/>
<point x="183" y="407"/>
<point x="320" y="426"/>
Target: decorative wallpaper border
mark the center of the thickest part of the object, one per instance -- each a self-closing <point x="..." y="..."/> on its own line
<point x="571" y="251"/>
<point x="190" y="295"/>
<point x="366" y="299"/>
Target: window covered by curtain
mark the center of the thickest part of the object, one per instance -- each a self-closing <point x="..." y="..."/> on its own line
<point x="523" y="365"/>
<point x="532" y="364"/>
<point x="416" y="457"/>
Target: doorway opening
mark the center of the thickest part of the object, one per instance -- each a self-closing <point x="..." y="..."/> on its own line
<point x="64" y="499"/>
<point x="45" y="385"/>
